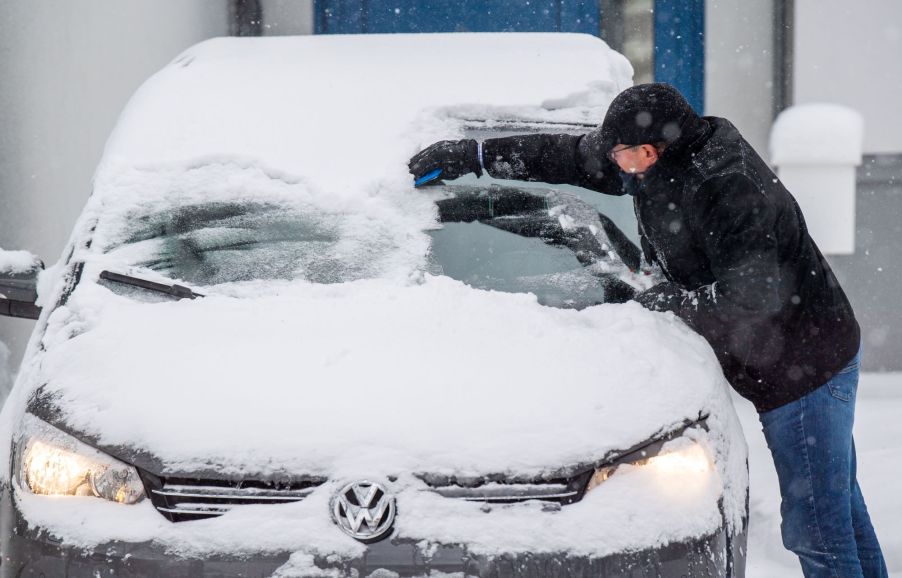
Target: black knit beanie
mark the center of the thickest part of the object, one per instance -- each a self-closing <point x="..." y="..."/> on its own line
<point x="647" y="114"/>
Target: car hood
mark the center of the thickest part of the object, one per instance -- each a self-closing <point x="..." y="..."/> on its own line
<point x="368" y="378"/>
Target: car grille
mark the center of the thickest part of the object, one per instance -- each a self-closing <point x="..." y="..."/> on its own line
<point x="562" y="491"/>
<point x="185" y="499"/>
<point x="505" y="493"/>
<point x="190" y="499"/>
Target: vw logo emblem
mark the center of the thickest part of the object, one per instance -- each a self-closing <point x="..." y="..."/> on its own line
<point x="364" y="511"/>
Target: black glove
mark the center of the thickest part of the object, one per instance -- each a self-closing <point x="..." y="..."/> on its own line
<point x="616" y="290"/>
<point x="662" y="297"/>
<point x="454" y="157"/>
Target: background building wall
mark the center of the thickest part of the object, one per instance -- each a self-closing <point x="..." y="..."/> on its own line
<point x="287" y="17"/>
<point x="851" y="53"/>
<point x="739" y="71"/>
<point x="68" y="70"/>
<point x="872" y="276"/>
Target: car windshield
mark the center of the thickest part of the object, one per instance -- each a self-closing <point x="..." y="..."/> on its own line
<point x="501" y="238"/>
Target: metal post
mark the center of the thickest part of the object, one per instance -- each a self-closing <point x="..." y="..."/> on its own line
<point x="245" y="18"/>
<point x="784" y="11"/>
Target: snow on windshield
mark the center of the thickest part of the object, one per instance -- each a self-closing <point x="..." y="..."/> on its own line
<point x="222" y="223"/>
<point x="215" y="242"/>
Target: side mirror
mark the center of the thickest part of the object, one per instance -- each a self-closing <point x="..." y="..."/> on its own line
<point x="18" y="284"/>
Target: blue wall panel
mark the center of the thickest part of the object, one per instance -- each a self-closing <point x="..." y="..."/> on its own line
<point x="680" y="48"/>
<point x="373" y="16"/>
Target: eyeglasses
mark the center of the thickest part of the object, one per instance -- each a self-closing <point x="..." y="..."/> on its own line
<point x="612" y="154"/>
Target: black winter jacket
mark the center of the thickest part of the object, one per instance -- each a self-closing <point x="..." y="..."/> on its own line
<point x="721" y="225"/>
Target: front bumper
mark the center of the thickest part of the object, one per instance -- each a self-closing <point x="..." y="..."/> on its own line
<point x="28" y="552"/>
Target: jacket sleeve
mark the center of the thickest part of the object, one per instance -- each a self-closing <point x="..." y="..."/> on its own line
<point x="554" y="159"/>
<point x="736" y="228"/>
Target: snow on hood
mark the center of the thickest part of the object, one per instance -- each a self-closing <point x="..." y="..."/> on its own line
<point x="373" y="378"/>
<point x="344" y="112"/>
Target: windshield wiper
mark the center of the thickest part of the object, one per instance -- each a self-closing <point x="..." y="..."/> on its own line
<point x="175" y="290"/>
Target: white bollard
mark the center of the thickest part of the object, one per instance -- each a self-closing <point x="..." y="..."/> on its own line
<point x="816" y="148"/>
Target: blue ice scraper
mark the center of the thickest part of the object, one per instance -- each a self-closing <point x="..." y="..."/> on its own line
<point x="427" y="178"/>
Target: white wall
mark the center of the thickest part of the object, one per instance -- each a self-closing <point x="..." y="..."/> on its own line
<point x="739" y="66"/>
<point x="851" y="53"/>
<point x="287" y="17"/>
<point x="68" y="70"/>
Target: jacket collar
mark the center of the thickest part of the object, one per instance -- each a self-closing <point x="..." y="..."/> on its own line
<point x="694" y="134"/>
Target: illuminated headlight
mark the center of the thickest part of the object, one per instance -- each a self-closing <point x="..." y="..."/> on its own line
<point x="679" y="459"/>
<point x="52" y="463"/>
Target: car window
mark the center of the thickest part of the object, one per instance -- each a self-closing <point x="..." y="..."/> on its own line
<point x="485" y="257"/>
<point x="527" y="240"/>
<point x="618" y="208"/>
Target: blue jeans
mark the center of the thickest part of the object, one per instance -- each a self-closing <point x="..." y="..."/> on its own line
<point x="825" y="521"/>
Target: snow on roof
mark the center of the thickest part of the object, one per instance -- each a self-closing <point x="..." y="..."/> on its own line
<point x="817" y="134"/>
<point x="343" y="112"/>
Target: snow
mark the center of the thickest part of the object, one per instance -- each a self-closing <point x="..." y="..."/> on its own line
<point x="381" y="230"/>
<point x="300" y="526"/>
<point x="636" y="506"/>
<point x="463" y="370"/>
<point x="816" y="148"/>
<point x="818" y="134"/>
<point x="16" y="262"/>
<point x="379" y="99"/>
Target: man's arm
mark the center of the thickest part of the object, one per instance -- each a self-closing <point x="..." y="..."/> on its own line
<point x="579" y="160"/>
<point x="553" y="158"/>
<point x="736" y="227"/>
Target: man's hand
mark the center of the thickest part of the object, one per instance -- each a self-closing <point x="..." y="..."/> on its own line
<point x="455" y="158"/>
<point x="616" y="290"/>
<point x="662" y="297"/>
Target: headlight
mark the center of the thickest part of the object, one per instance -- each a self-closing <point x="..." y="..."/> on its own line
<point x="678" y="459"/>
<point x="52" y="463"/>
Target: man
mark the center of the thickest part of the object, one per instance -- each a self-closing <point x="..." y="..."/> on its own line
<point x="744" y="273"/>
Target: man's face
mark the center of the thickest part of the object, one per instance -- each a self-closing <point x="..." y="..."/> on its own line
<point x="635" y="159"/>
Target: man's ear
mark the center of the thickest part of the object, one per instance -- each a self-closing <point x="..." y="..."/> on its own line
<point x="651" y="153"/>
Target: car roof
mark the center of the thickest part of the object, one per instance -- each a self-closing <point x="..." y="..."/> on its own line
<point x="347" y="111"/>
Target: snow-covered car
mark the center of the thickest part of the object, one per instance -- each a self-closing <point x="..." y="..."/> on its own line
<point x="265" y="353"/>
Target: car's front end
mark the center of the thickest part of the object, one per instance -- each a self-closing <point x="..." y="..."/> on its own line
<point x="72" y="510"/>
<point x="334" y="429"/>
